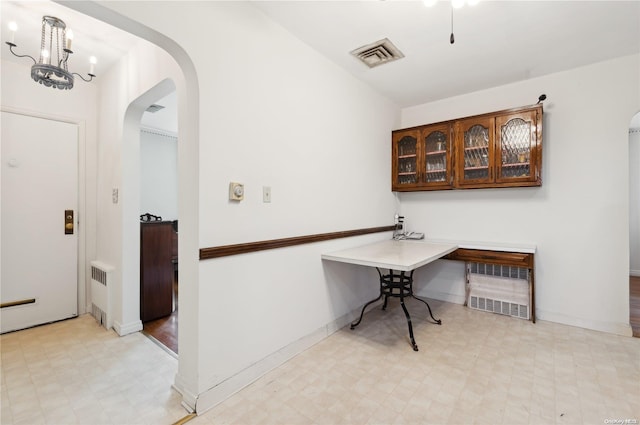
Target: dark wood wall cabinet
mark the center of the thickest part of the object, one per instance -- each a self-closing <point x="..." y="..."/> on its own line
<point x="499" y="149"/>
<point x="158" y="247"/>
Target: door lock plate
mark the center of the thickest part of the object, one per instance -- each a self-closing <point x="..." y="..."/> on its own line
<point x="68" y="222"/>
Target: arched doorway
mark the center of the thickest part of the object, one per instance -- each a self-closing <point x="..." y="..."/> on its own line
<point x="159" y="223"/>
<point x="186" y="84"/>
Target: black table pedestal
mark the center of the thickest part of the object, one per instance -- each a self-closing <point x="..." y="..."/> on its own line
<point x="398" y="285"/>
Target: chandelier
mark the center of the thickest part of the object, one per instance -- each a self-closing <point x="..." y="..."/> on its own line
<point x="55" y="48"/>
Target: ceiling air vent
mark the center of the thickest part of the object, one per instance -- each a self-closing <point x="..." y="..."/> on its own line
<point x="378" y="53"/>
<point x="154" y="108"/>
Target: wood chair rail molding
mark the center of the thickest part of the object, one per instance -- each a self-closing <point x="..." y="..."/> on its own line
<point x="244" y="248"/>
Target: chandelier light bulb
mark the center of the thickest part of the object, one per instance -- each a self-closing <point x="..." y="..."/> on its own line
<point x="13" y="27"/>
<point x="92" y="62"/>
<point x="45" y="55"/>
<point x="69" y="35"/>
<point x="457" y="4"/>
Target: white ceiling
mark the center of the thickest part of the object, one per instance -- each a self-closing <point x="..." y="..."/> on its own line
<point x="497" y="42"/>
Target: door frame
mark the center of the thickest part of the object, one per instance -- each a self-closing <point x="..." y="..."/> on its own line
<point x="81" y="224"/>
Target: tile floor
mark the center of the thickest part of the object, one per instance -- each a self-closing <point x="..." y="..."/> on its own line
<point x="475" y="368"/>
<point x="76" y="372"/>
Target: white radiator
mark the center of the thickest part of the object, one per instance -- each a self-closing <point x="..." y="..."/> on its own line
<point x="101" y="277"/>
<point x="499" y="289"/>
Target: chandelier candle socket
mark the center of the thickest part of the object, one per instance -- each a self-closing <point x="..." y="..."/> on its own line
<point x="55" y="48"/>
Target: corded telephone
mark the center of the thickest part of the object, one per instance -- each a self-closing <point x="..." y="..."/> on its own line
<point x="398" y="235"/>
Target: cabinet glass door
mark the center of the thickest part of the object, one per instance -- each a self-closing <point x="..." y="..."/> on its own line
<point x="437" y="158"/>
<point x="405" y="166"/>
<point x="516" y="135"/>
<point x="475" y="158"/>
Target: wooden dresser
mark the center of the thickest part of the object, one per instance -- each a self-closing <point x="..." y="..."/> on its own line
<point x="158" y="247"/>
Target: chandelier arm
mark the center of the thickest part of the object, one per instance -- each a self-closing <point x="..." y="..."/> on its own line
<point x="84" y="79"/>
<point x="11" y="46"/>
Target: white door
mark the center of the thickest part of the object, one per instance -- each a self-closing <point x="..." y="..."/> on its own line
<point x="39" y="278"/>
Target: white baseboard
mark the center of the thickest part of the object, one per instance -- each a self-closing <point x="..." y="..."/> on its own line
<point x="623" y="329"/>
<point x="442" y="296"/>
<point x="188" y="399"/>
<point x="634" y="273"/>
<point x="127" y="328"/>
<point x="223" y="390"/>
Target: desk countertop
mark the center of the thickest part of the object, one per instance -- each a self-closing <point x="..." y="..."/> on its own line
<point x="488" y="246"/>
<point x="405" y="255"/>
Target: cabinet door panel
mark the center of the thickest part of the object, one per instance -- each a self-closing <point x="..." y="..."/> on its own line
<point x="436" y="144"/>
<point x="475" y="144"/>
<point x="405" y="155"/>
<point x="517" y="145"/>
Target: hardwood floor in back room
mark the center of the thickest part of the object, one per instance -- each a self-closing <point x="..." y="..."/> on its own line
<point x="165" y="329"/>
<point x="634" y="304"/>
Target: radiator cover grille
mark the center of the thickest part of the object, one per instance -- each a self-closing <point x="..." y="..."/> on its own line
<point x="499" y="289"/>
<point x="101" y="293"/>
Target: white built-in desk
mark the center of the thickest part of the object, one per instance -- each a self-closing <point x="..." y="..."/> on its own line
<point x="403" y="255"/>
<point x="401" y="258"/>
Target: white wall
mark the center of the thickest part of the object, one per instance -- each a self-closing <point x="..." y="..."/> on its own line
<point x="273" y="112"/>
<point x="280" y="115"/>
<point x="634" y="200"/>
<point x="159" y="174"/>
<point x="578" y="218"/>
<point x="19" y="93"/>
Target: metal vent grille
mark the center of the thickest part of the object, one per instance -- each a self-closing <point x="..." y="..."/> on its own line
<point x="154" y="108"/>
<point x="506" y="308"/>
<point x="99" y="275"/>
<point x="378" y="53"/>
<point x="499" y="270"/>
<point x="100" y="293"/>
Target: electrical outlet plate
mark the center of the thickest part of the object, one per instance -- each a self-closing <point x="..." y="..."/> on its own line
<point x="236" y="191"/>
